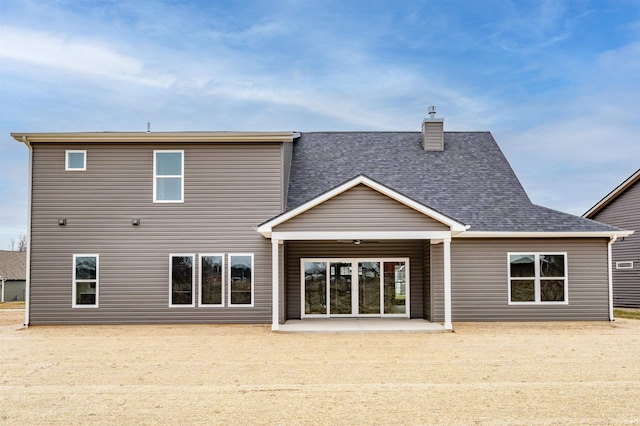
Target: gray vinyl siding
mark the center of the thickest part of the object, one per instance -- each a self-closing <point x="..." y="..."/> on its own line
<point x="361" y="208"/>
<point x="624" y="212"/>
<point x="287" y="154"/>
<point x="228" y="190"/>
<point x="480" y="283"/>
<point x="437" y="282"/>
<point x="322" y="249"/>
<point x="426" y="274"/>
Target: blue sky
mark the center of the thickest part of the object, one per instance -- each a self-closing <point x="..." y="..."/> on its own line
<point x="556" y="82"/>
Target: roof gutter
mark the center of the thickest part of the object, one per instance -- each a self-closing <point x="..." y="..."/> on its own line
<point x="610" y="272"/>
<point x="155" y="137"/>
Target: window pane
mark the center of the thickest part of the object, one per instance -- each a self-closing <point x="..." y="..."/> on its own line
<point x="340" y="288"/>
<point x="551" y="265"/>
<point x="169" y="189"/>
<point x="86" y="293"/>
<point x="240" y="269"/>
<point x="85" y="268"/>
<point x="395" y="288"/>
<point x="552" y="290"/>
<point x="211" y="280"/>
<point x="522" y="265"/>
<point x="523" y="291"/>
<point x="369" y="287"/>
<point x="169" y="163"/>
<point x="315" y="288"/>
<point x="75" y="160"/>
<point x="181" y="280"/>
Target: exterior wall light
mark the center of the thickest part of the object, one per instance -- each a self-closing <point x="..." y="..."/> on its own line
<point x="135" y="222"/>
<point x="62" y="222"/>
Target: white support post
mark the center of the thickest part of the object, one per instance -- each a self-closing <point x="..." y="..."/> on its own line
<point x="275" y="281"/>
<point x="447" y="284"/>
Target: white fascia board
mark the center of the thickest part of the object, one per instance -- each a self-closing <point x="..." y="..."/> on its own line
<point x="595" y="234"/>
<point x="267" y="227"/>
<point x="360" y="235"/>
<point x="156" y="137"/>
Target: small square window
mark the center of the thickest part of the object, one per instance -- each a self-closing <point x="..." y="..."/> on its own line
<point x="75" y="160"/>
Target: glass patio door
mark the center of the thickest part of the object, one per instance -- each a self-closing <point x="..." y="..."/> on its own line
<point x="354" y="287"/>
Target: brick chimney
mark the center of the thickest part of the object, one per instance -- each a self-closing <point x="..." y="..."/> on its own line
<point x="432" y="132"/>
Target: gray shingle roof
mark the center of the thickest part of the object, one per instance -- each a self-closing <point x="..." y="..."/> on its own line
<point x="470" y="181"/>
<point x="13" y="265"/>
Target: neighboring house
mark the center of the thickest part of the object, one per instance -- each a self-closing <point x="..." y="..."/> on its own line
<point x="264" y="227"/>
<point x="621" y="207"/>
<point x="13" y="272"/>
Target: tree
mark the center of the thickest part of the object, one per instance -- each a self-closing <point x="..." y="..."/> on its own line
<point x="20" y="245"/>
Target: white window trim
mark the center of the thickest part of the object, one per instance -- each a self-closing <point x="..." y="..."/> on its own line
<point x="66" y="160"/>
<point x="354" y="273"/>
<point x="76" y="281"/>
<point x="212" y="305"/>
<point x="537" y="278"/>
<point x="156" y="177"/>
<point x="253" y="281"/>
<point x="193" y="280"/>
<point x="624" y="264"/>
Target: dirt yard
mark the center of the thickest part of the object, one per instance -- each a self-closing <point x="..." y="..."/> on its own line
<point x="569" y="373"/>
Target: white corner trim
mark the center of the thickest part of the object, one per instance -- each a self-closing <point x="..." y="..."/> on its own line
<point x="266" y="228"/>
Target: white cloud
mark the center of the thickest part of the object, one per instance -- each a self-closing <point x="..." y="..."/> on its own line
<point x="72" y="54"/>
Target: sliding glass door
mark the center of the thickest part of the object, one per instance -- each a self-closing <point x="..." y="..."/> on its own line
<point x="354" y="287"/>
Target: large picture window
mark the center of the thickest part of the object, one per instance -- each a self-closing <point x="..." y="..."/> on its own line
<point x="537" y="278"/>
<point x="168" y="176"/>
<point x="181" y="280"/>
<point x="85" y="281"/>
<point x="211" y="280"/>
<point x="240" y="279"/>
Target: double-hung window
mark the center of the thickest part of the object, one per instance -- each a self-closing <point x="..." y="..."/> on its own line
<point x="168" y="176"/>
<point x="75" y="160"/>
<point x="537" y="278"/>
<point x="181" y="280"/>
<point x="85" y="281"/>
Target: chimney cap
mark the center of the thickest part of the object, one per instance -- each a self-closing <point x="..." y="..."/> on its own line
<point x="432" y="111"/>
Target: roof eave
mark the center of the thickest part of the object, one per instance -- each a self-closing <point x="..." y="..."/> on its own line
<point x="546" y="234"/>
<point x="181" y="137"/>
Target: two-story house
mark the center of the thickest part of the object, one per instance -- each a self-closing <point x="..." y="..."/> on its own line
<point x="265" y="227"/>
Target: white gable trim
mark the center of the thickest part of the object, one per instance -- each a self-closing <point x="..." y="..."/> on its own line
<point x="612" y="195"/>
<point x="267" y="227"/>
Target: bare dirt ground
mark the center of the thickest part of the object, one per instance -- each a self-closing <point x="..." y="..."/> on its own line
<point x="497" y="373"/>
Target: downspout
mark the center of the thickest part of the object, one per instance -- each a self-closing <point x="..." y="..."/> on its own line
<point x="610" y="260"/>
<point x="27" y="292"/>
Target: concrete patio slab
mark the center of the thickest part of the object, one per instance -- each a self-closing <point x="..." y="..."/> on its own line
<point x="360" y="325"/>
